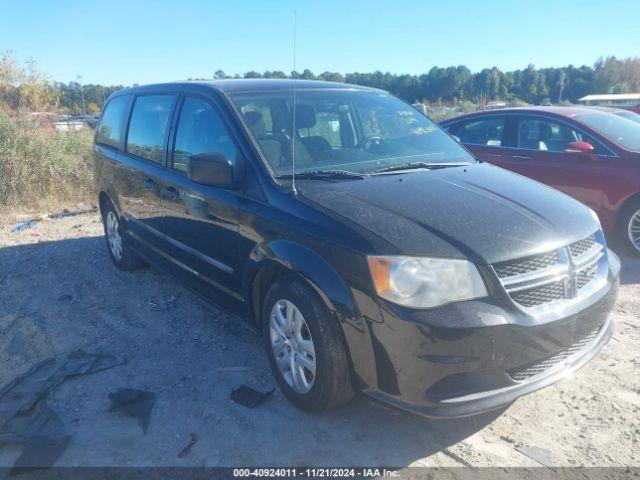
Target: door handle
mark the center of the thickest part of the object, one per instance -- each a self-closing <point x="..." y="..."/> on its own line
<point x="150" y="184"/>
<point x="522" y="157"/>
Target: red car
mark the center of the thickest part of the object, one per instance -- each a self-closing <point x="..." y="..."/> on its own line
<point x="590" y="154"/>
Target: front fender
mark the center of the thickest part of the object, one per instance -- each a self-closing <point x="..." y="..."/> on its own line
<point x="332" y="289"/>
<point x="308" y="264"/>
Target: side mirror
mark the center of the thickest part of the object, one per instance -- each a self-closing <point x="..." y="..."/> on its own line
<point x="210" y="168"/>
<point x="579" y="147"/>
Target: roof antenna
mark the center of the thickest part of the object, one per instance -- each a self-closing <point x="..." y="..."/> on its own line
<point x="293" y="110"/>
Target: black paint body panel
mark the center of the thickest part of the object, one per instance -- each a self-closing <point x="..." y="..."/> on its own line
<point x="217" y="241"/>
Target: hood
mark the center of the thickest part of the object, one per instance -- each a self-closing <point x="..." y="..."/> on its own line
<point x="480" y="212"/>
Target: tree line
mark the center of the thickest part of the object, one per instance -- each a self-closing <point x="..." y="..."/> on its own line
<point x="26" y="89"/>
<point x="457" y="83"/>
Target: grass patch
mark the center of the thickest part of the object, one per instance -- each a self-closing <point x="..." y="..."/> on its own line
<point x="41" y="169"/>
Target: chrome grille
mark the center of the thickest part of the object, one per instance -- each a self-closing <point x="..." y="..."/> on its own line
<point x="565" y="274"/>
<point x="586" y="275"/>
<point x="583" y="246"/>
<point x="527" y="265"/>
<point x="531" y="370"/>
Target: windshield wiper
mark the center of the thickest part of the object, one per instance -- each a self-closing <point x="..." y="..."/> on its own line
<point x="324" y="175"/>
<point x="419" y="165"/>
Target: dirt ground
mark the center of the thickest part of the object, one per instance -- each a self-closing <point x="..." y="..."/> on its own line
<point x="59" y="292"/>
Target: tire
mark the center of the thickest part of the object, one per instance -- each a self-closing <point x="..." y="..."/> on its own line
<point x="629" y="232"/>
<point x="330" y="386"/>
<point x="120" y="251"/>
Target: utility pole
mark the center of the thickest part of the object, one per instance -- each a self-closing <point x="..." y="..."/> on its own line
<point x="84" y="105"/>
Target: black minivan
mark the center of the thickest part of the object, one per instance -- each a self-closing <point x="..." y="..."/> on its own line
<point x="374" y="252"/>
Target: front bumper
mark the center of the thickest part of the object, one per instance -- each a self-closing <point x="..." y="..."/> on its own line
<point x="477" y="356"/>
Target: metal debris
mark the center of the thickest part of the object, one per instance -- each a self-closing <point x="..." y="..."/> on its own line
<point x="249" y="397"/>
<point x="25" y="417"/>
<point x="134" y="403"/>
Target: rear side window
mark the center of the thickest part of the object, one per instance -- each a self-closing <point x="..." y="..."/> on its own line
<point x="148" y="126"/>
<point x="200" y="130"/>
<point x="486" y="131"/>
<point x="109" y="132"/>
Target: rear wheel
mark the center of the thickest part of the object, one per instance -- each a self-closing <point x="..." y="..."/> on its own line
<point x="304" y="347"/>
<point x="120" y="251"/>
<point x="630" y="227"/>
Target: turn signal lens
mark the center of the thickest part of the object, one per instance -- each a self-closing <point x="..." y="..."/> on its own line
<point x="381" y="273"/>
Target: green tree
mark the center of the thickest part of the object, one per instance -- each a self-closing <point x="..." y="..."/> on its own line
<point x="617" y="76"/>
<point x="24" y="88"/>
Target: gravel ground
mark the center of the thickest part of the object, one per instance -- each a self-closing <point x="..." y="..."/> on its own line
<point x="59" y="292"/>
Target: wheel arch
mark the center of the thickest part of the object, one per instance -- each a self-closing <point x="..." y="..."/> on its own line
<point x="630" y="200"/>
<point x="103" y="199"/>
<point x="281" y="258"/>
<point x="108" y="195"/>
<point x="273" y="260"/>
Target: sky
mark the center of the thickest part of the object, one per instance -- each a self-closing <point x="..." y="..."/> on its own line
<point x="143" y="41"/>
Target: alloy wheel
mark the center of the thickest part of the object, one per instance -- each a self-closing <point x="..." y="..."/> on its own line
<point x="634" y="230"/>
<point x="113" y="235"/>
<point x="292" y="346"/>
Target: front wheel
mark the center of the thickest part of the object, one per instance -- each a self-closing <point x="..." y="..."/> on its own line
<point x="630" y="228"/>
<point x="305" y="348"/>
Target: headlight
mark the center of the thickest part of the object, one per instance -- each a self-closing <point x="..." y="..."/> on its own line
<point x="595" y="216"/>
<point x="425" y="282"/>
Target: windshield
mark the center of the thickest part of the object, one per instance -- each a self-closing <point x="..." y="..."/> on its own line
<point x="344" y="130"/>
<point x="620" y="130"/>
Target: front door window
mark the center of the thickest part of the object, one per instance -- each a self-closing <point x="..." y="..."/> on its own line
<point x="200" y="130"/>
<point x="548" y="135"/>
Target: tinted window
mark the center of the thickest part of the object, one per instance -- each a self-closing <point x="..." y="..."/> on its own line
<point x="200" y="130"/>
<point x="622" y="131"/>
<point x="109" y="131"/>
<point x="548" y="135"/>
<point x="148" y="126"/>
<point x="485" y="131"/>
